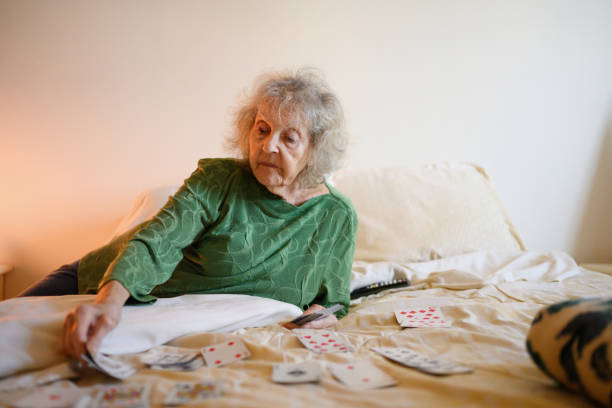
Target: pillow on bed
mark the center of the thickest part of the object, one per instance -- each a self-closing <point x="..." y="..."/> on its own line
<point x="145" y="206"/>
<point x="31" y="326"/>
<point x="405" y="215"/>
<point x="571" y="342"/>
<point x="412" y="215"/>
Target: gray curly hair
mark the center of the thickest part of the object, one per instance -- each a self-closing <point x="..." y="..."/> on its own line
<point x="302" y="95"/>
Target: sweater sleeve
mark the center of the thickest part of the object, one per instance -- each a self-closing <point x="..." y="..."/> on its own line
<point x="337" y="278"/>
<point x="151" y="255"/>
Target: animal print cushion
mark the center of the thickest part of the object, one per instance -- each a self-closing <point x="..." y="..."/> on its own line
<point x="571" y="342"/>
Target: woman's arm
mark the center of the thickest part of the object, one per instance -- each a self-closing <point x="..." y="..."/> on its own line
<point x="86" y="325"/>
<point x="151" y="255"/>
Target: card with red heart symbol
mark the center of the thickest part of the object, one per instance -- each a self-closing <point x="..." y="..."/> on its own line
<point x="362" y="375"/>
<point x="323" y="341"/>
<point x="421" y="316"/>
<point x="224" y="353"/>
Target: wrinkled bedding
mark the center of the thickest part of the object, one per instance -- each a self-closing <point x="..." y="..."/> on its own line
<point x="491" y="300"/>
<point x="31" y="326"/>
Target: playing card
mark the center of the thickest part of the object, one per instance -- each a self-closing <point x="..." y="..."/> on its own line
<point x="301" y="320"/>
<point x="423" y="316"/>
<point x="115" y="368"/>
<point x="323" y="341"/>
<point x="421" y="362"/>
<point x="362" y="375"/>
<point x="308" y="371"/>
<point x="172" y="358"/>
<point x="224" y="353"/>
<point x="57" y="395"/>
<point x="183" y="393"/>
<point x="34" y="378"/>
<point x="191" y="365"/>
<point x="123" y="396"/>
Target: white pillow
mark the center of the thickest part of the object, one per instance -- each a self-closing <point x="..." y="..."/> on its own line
<point x="145" y="206"/>
<point x="412" y="215"/>
<point x="31" y="326"/>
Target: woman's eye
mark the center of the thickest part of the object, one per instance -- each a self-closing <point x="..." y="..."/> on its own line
<point x="262" y="130"/>
<point x="291" y="138"/>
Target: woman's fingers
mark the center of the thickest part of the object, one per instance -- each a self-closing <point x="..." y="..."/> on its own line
<point x="78" y="329"/>
<point x="327" y="322"/>
<point x="86" y="326"/>
<point x="105" y="323"/>
<point x="75" y="325"/>
<point x="65" y="343"/>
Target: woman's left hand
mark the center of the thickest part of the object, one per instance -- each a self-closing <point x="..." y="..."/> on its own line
<point x="328" y="322"/>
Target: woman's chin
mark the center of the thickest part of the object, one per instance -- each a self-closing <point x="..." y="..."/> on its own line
<point x="269" y="181"/>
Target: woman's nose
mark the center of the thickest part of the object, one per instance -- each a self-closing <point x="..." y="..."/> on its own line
<point x="270" y="144"/>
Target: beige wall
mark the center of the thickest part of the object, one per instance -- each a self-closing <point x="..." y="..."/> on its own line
<point x="100" y="100"/>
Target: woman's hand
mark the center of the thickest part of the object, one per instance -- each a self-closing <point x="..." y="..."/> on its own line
<point x="86" y="325"/>
<point x="328" y="322"/>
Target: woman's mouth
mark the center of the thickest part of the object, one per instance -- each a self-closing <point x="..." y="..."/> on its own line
<point x="268" y="164"/>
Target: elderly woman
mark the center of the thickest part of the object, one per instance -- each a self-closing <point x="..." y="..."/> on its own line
<point x="265" y="225"/>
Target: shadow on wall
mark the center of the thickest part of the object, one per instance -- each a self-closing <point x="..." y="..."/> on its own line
<point x="594" y="239"/>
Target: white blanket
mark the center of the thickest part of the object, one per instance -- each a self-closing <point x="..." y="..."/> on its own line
<point x="31" y="326"/>
<point x="471" y="270"/>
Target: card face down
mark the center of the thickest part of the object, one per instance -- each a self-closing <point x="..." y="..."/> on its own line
<point x="361" y="375"/>
<point x="323" y="341"/>
<point x="422" y="316"/>
<point x="183" y="393"/>
<point x="293" y="373"/>
<point x="225" y="353"/>
<point x="421" y="362"/>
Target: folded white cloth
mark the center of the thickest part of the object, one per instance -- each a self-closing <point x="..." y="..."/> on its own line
<point x="31" y="326"/>
<point x="471" y="270"/>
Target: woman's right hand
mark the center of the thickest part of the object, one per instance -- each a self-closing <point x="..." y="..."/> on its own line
<point x="86" y="325"/>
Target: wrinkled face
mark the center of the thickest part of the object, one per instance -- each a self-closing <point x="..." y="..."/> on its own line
<point x="278" y="150"/>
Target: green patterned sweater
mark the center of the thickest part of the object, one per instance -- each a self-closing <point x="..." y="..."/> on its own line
<point x="224" y="232"/>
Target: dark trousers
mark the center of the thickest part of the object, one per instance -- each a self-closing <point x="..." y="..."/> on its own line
<point x="60" y="282"/>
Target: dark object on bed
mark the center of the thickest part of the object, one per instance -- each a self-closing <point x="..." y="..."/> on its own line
<point x="570" y="342"/>
<point x="378" y="287"/>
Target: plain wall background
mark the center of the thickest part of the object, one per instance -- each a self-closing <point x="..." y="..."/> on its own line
<point x="101" y="100"/>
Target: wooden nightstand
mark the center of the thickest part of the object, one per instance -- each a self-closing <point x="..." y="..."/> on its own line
<point x="4" y="269"/>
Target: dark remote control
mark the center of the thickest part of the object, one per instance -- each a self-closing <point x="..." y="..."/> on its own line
<point x="379" y="286"/>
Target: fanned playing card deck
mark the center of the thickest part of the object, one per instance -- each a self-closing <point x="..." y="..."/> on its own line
<point x="323" y="341"/>
<point x="115" y="368"/>
<point x="421" y="362"/>
<point x="291" y="373"/>
<point x="183" y="393"/>
<point x="422" y="316"/>
<point x="302" y="320"/>
<point x="362" y="375"/>
<point x="225" y="353"/>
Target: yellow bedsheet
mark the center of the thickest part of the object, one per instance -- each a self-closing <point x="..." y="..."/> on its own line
<point x="488" y="333"/>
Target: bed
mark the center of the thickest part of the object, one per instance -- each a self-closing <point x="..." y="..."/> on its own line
<point x="442" y="227"/>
